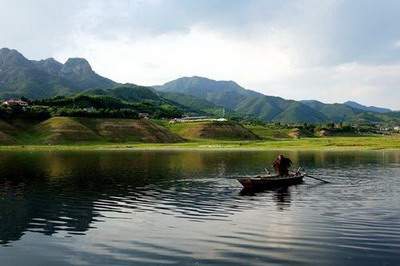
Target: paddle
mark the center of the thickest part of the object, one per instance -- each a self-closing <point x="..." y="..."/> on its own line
<point x="327" y="182"/>
<point x="317" y="178"/>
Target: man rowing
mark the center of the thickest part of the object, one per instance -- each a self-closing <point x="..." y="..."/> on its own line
<point x="281" y="165"/>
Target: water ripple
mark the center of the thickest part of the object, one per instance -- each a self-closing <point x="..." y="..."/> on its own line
<point x="152" y="209"/>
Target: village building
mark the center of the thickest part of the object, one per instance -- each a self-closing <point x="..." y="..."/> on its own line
<point x="12" y="102"/>
<point x="196" y="119"/>
<point x="144" y="115"/>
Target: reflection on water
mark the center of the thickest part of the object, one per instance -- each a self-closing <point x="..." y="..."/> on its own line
<point x="182" y="207"/>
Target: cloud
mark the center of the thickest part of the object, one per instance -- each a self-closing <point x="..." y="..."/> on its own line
<point x="369" y="84"/>
<point x="330" y="50"/>
<point x="200" y="51"/>
<point x="37" y="28"/>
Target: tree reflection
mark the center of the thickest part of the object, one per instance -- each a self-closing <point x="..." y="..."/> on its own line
<point x="72" y="191"/>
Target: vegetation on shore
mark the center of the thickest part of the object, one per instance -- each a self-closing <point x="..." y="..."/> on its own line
<point x="81" y="130"/>
<point x="327" y="143"/>
<point x="69" y="106"/>
<point x="74" y="89"/>
<point x="83" y="133"/>
<point x="212" y="130"/>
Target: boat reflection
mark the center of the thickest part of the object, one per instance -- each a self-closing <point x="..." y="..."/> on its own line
<point x="73" y="192"/>
<point x="281" y="196"/>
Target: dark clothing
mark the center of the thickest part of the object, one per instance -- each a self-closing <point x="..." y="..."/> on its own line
<point x="281" y="165"/>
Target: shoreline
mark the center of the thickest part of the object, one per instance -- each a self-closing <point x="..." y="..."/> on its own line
<point x="312" y="144"/>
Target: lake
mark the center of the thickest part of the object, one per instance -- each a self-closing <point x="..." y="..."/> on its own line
<point x="185" y="207"/>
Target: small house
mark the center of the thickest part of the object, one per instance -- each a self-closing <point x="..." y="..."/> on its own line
<point x="13" y="102"/>
<point x="144" y="115"/>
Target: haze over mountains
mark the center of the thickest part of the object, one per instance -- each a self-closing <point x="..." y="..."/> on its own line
<point x="47" y="78"/>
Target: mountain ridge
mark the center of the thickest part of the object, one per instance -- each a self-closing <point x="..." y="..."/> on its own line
<point x="373" y="109"/>
<point x="46" y="78"/>
<point x="264" y="107"/>
<point x="20" y="76"/>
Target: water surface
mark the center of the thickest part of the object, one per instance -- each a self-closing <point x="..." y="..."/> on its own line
<point x="183" y="207"/>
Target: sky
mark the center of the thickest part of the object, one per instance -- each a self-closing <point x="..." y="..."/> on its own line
<point x="327" y="50"/>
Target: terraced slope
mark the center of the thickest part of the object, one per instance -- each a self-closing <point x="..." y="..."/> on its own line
<point x="213" y="130"/>
<point x="272" y="132"/>
<point x="6" y="133"/>
<point x="62" y="130"/>
<point x="121" y="130"/>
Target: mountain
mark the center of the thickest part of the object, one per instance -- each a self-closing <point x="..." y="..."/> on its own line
<point x="45" y="78"/>
<point x="131" y="93"/>
<point x="252" y="104"/>
<point x="297" y="112"/>
<point x="197" y="106"/>
<point x="335" y="112"/>
<point x="373" y="109"/>
<point x="249" y="103"/>
<point x="79" y="74"/>
<point x="193" y="95"/>
<point x="127" y="92"/>
<point x="222" y="93"/>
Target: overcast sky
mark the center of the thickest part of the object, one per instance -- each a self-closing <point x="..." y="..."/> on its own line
<point x="327" y="50"/>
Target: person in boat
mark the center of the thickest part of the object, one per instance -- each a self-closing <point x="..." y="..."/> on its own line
<point x="282" y="165"/>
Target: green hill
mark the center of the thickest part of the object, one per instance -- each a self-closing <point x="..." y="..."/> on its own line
<point x="226" y="130"/>
<point x="6" y="133"/>
<point x="334" y="112"/>
<point x="252" y="104"/>
<point x="372" y="109"/>
<point x="123" y="130"/>
<point x="60" y="130"/>
<point x="297" y="112"/>
<point x="269" y="132"/>
<point x="246" y="102"/>
<point x="221" y="93"/>
<point x="20" y="77"/>
<point x="74" y="130"/>
<point x="126" y="92"/>
<point x="121" y="101"/>
<point x="196" y="105"/>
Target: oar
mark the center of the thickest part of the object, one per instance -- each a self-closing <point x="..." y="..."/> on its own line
<point x="317" y="178"/>
<point x="298" y="170"/>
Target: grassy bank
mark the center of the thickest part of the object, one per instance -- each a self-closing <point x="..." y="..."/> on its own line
<point x="328" y="143"/>
<point x="72" y="133"/>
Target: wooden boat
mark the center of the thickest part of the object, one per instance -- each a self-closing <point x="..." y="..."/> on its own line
<point x="263" y="182"/>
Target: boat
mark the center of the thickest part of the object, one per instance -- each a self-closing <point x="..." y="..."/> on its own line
<point x="264" y="182"/>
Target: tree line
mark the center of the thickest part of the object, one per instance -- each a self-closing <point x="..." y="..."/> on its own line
<point x="88" y="106"/>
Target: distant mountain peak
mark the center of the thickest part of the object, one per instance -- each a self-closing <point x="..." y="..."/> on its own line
<point x="46" y="78"/>
<point x="373" y="109"/>
<point x="310" y="101"/>
<point x="51" y="60"/>
<point x="351" y="102"/>
<point x="50" y="66"/>
<point x="204" y="79"/>
<point x="77" y="61"/>
<point x="77" y="66"/>
<point x="6" y="50"/>
<point x="11" y="57"/>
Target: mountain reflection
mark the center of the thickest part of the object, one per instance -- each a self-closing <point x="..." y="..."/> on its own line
<point x="51" y="192"/>
<point x="71" y="191"/>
